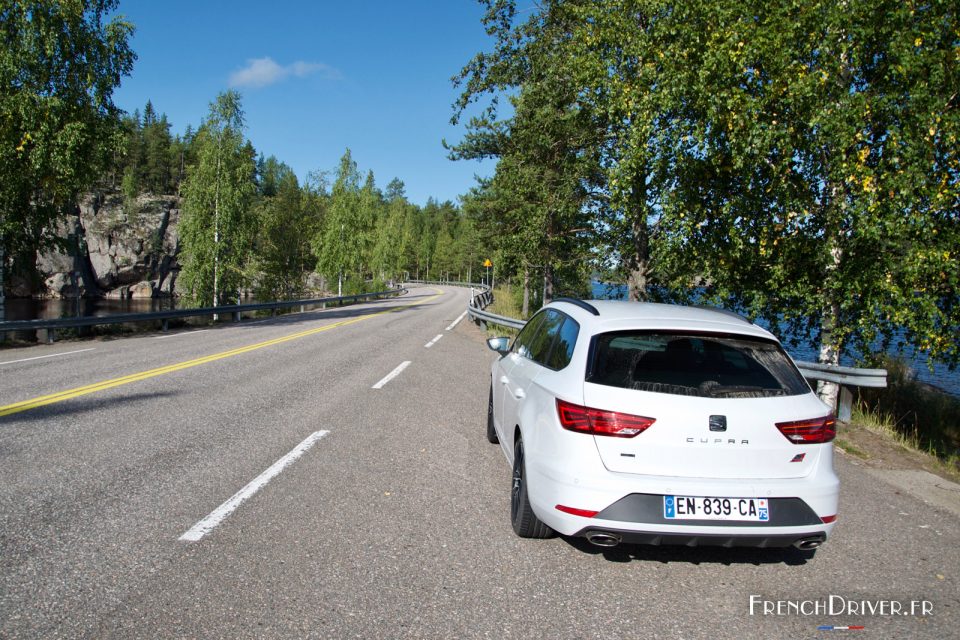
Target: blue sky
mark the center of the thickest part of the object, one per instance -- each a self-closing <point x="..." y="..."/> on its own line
<point x="316" y="78"/>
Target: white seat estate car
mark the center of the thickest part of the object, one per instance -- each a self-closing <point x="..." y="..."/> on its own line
<point x="660" y="424"/>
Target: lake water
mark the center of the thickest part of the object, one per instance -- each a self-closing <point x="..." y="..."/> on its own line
<point x="939" y="376"/>
<point x="28" y="309"/>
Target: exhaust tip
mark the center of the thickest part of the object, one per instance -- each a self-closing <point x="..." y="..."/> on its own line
<point x="602" y="539"/>
<point x="809" y="544"/>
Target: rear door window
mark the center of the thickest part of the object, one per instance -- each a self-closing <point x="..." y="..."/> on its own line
<point x="710" y="366"/>
<point x="563" y="346"/>
<point x="545" y="336"/>
<point x="548" y="339"/>
<point x="521" y="346"/>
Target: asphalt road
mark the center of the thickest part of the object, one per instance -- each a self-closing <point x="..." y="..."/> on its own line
<point x="394" y="519"/>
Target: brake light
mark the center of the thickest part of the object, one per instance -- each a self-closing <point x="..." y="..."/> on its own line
<point x="814" y="431"/>
<point x="601" y="423"/>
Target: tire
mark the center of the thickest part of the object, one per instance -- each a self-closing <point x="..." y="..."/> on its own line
<point x="491" y="431"/>
<point x="525" y="522"/>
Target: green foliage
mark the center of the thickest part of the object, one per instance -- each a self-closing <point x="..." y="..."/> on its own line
<point x="59" y="65"/>
<point x="282" y="245"/>
<point x="813" y="176"/>
<point x="150" y="159"/>
<point x="217" y="225"/>
<point x="367" y="234"/>
<point x="339" y="245"/>
<point x="797" y="159"/>
<point x="915" y="411"/>
<point x="535" y="206"/>
<point x="386" y="259"/>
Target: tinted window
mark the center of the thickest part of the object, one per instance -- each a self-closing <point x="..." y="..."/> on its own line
<point x="695" y="365"/>
<point x="548" y="339"/>
<point x="564" y="344"/>
<point x="546" y="334"/>
<point x="521" y="345"/>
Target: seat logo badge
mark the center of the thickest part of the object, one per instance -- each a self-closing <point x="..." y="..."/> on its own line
<point x="799" y="457"/>
<point x="718" y="423"/>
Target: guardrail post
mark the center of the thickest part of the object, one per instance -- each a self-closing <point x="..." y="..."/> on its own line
<point x="51" y="335"/>
<point x="237" y="316"/>
<point x="165" y="325"/>
<point x="845" y="404"/>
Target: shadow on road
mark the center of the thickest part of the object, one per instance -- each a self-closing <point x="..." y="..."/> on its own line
<point x="77" y="406"/>
<point x="693" y="555"/>
<point x="402" y="304"/>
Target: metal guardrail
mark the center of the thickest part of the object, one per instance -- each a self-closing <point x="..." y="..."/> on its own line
<point x="449" y="283"/>
<point x="851" y="376"/>
<point x="481" y="296"/>
<point x="475" y="310"/>
<point x="237" y="310"/>
<point x="478" y="315"/>
<point x="846" y="377"/>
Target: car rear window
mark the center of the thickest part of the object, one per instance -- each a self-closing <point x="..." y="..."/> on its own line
<point x="708" y="366"/>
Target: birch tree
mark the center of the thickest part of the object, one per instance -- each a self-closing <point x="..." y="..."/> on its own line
<point x="817" y="183"/>
<point x="217" y="228"/>
<point x="340" y="245"/>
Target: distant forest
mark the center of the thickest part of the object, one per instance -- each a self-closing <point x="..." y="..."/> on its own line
<point x="357" y="234"/>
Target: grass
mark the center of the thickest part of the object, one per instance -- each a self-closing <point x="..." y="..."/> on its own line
<point x="915" y="415"/>
<point x="850" y="448"/>
<point x="504" y="304"/>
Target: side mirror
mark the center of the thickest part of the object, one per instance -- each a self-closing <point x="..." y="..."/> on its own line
<point x="500" y="345"/>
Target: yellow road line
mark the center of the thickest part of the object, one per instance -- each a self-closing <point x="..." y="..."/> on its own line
<point x="53" y="398"/>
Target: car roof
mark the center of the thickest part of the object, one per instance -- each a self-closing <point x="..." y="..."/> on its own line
<point x="620" y="315"/>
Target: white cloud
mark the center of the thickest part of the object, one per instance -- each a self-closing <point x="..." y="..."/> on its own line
<point x="262" y="72"/>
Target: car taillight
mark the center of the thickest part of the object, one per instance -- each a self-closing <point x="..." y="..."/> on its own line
<point x="600" y="423"/>
<point x="814" y="431"/>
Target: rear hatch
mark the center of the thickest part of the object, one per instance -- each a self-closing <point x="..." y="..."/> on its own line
<point x="716" y="401"/>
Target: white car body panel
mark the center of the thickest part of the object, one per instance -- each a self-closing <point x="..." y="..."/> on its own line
<point x="752" y="459"/>
<point x="680" y="443"/>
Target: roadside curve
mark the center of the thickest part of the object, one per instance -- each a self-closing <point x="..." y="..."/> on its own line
<point x="69" y="394"/>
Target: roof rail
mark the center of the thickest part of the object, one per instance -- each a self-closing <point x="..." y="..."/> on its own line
<point x="586" y="306"/>
<point x="726" y="312"/>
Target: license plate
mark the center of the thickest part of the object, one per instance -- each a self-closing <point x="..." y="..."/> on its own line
<point x="695" y="508"/>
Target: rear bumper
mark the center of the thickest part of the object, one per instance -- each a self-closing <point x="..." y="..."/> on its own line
<point x="645" y="508"/>
<point x="758" y="541"/>
<point x="631" y="505"/>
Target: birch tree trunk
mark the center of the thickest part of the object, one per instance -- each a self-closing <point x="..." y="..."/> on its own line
<point x="829" y="343"/>
<point x="526" y="292"/>
<point x="216" y="233"/>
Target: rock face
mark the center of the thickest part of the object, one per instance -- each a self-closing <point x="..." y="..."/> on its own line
<point x="116" y="249"/>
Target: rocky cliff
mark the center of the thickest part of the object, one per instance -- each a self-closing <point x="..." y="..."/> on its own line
<point x="116" y="248"/>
